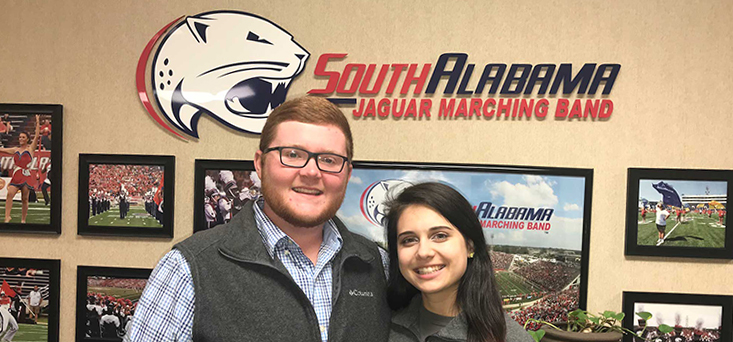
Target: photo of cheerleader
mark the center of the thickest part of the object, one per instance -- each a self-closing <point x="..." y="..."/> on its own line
<point x="22" y="179"/>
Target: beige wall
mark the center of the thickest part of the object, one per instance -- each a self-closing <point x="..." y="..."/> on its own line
<point x="673" y="86"/>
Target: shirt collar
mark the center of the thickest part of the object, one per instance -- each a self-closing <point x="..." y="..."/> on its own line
<point x="273" y="237"/>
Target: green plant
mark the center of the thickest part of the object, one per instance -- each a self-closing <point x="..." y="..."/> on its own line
<point x="586" y="322"/>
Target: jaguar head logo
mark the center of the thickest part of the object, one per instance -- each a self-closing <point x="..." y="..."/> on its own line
<point x="234" y="66"/>
<point x="375" y="196"/>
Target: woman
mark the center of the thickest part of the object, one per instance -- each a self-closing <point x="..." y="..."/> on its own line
<point x="442" y="281"/>
<point x="21" y="180"/>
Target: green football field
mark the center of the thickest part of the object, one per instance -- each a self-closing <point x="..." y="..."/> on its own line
<point x="136" y="217"/>
<point x="31" y="333"/>
<point x="117" y="292"/>
<point x="511" y="284"/>
<point x="696" y="230"/>
<point x="37" y="212"/>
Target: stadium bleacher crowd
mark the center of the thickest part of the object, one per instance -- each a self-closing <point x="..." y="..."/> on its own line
<point x="552" y="276"/>
<point x="501" y="261"/>
<point x="135" y="284"/>
<point x="553" y="307"/>
<point x="136" y="179"/>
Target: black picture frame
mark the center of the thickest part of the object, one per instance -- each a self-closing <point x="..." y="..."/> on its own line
<point x="127" y="290"/>
<point x="166" y="227"/>
<point x="693" y="235"/>
<point x="368" y="173"/>
<point x="200" y="169"/>
<point x="49" y="286"/>
<point x="20" y="117"/>
<point x="681" y="306"/>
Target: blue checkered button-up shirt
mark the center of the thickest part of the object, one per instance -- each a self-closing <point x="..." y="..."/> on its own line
<point x="166" y="308"/>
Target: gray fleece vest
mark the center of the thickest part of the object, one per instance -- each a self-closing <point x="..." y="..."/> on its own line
<point x="244" y="295"/>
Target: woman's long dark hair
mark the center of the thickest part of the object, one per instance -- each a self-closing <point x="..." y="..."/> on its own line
<point x="478" y="296"/>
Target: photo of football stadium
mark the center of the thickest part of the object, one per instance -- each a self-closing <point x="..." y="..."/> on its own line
<point x="533" y="224"/>
<point x="682" y="213"/>
<point x="129" y="195"/>
<point x="123" y="195"/>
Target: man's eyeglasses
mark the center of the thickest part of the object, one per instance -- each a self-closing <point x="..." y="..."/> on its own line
<point x="298" y="157"/>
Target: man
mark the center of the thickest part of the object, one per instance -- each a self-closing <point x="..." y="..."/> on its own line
<point x="284" y="268"/>
<point x="35" y="299"/>
<point x="662" y="215"/>
<point x="110" y="324"/>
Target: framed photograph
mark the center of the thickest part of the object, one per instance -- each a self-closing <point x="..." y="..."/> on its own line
<point x="693" y="317"/>
<point x="106" y="298"/>
<point x="536" y="220"/>
<point x="678" y="213"/>
<point x="29" y="299"/>
<point x="126" y="195"/>
<point x="30" y="167"/>
<point x="220" y="189"/>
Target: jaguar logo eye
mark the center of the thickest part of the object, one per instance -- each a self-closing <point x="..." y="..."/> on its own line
<point x="251" y="36"/>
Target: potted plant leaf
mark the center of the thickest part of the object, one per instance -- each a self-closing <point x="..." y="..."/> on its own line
<point x="583" y="326"/>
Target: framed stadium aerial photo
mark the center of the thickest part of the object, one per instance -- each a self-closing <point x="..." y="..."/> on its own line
<point x="30" y="189"/>
<point x="691" y="317"/>
<point x="221" y="187"/>
<point x="537" y="220"/>
<point x="678" y="213"/>
<point x="29" y="300"/>
<point x="106" y="298"/>
<point x="126" y="195"/>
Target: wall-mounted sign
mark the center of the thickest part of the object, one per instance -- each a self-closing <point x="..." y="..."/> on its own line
<point x="234" y="66"/>
<point x="493" y="91"/>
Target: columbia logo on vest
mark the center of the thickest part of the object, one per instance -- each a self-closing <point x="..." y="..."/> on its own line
<point x="357" y="293"/>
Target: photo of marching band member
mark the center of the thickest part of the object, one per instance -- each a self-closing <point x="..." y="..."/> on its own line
<point x="24" y="164"/>
<point x="124" y="195"/>
<point x="225" y="192"/>
<point x="106" y="301"/>
<point x="683" y="213"/>
<point x="678" y="213"/>
<point x="221" y="189"/>
<point x="28" y="300"/>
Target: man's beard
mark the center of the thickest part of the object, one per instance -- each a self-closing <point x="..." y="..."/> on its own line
<point x="279" y="206"/>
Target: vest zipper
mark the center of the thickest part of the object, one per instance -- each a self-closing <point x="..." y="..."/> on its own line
<point x="291" y="282"/>
<point x="337" y="292"/>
